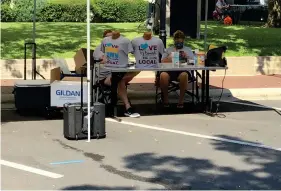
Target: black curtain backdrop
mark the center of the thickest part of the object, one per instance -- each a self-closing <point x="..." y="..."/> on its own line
<point x="184" y="17"/>
<point x="211" y="8"/>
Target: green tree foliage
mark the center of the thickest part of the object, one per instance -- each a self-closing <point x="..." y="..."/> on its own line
<point x="274" y="13"/>
<point x="24" y="9"/>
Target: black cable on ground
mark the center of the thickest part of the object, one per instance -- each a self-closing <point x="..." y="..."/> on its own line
<point x="216" y="114"/>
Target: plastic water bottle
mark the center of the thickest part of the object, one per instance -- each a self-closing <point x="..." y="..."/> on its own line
<point x="175" y="59"/>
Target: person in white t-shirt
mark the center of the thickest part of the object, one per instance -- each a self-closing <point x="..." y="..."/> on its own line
<point x="116" y="49"/>
<point x="222" y="7"/>
<point x="180" y="76"/>
<point x="105" y="75"/>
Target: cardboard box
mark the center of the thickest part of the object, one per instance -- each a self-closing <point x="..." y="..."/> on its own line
<point x="56" y="76"/>
<point x="80" y="59"/>
<point x="67" y="89"/>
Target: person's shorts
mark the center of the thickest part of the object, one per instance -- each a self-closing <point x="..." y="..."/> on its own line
<point x="174" y="75"/>
<point x="118" y="75"/>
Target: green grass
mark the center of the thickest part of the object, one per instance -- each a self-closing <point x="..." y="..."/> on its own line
<point x="64" y="39"/>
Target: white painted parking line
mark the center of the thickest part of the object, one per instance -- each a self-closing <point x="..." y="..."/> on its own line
<point x="30" y="169"/>
<point x="248" y="104"/>
<point x="195" y="135"/>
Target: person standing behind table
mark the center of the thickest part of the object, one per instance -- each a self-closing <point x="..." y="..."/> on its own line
<point x="180" y="76"/>
<point x="147" y="50"/>
<point x="104" y="75"/>
<point x="116" y="49"/>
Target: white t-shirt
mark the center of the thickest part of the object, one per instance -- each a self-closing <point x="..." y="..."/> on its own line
<point x="147" y="52"/>
<point x="116" y="51"/>
<point x="220" y="4"/>
<point x="186" y="50"/>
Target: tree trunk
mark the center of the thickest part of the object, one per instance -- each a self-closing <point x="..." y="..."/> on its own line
<point x="274" y="13"/>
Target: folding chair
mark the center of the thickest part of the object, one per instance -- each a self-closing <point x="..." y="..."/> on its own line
<point x="174" y="86"/>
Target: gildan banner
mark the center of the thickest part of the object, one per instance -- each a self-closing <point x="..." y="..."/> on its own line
<point x="67" y="92"/>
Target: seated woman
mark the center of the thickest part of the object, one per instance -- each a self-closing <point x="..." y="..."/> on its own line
<point x="105" y="78"/>
<point x="180" y="76"/>
<point x="222" y="8"/>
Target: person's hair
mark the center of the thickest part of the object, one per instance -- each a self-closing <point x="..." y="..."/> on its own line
<point x="106" y="32"/>
<point x="179" y="35"/>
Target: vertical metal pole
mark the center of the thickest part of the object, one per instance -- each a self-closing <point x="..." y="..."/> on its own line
<point x="163" y="33"/>
<point x="207" y="87"/>
<point x="24" y="69"/>
<point x="34" y="58"/>
<point x="88" y="67"/>
<point x="206" y="24"/>
<point x="33" y="40"/>
<point x="199" y="3"/>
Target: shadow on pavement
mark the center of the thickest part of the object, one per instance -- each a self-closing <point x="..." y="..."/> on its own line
<point x="179" y="173"/>
<point x="143" y="109"/>
<point x="194" y="173"/>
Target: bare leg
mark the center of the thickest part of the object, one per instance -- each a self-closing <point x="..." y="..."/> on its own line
<point x="164" y="84"/>
<point x="107" y="81"/>
<point x="183" y="77"/>
<point x="122" y="91"/>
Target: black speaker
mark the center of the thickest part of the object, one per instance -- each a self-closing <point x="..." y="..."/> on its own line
<point x="183" y="17"/>
<point x="215" y="57"/>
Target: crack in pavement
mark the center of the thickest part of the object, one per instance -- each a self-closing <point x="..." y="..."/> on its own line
<point x="167" y="184"/>
<point x="95" y="157"/>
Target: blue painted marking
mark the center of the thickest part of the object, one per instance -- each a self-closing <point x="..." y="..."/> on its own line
<point x="67" y="162"/>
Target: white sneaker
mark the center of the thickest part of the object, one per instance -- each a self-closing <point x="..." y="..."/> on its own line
<point x="130" y="113"/>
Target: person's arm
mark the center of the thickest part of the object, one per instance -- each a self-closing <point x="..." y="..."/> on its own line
<point x="130" y="48"/>
<point x="162" y="50"/>
<point x="166" y="57"/>
<point x="219" y="5"/>
<point x="102" y="47"/>
<point x="98" y="54"/>
<point x="133" y="45"/>
<point x="225" y="5"/>
<point x="161" y="47"/>
<point x="167" y="60"/>
<point x="189" y="53"/>
<point x="103" y="59"/>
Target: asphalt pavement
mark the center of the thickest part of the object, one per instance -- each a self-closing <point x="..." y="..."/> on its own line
<point x="239" y="148"/>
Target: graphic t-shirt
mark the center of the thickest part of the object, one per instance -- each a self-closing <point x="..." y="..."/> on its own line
<point x="98" y="54"/>
<point x="116" y="51"/>
<point x="147" y="51"/>
<point x="186" y="50"/>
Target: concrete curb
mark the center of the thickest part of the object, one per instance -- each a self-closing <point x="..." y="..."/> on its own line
<point x="249" y="94"/>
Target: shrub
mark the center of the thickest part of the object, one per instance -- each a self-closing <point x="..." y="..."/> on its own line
<point x="103" y="11"/>
<point x="63" y="13"/>
<point x="7" y="14"/>
<point x="70" y="2"/>
<point x="120" y="10"/>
